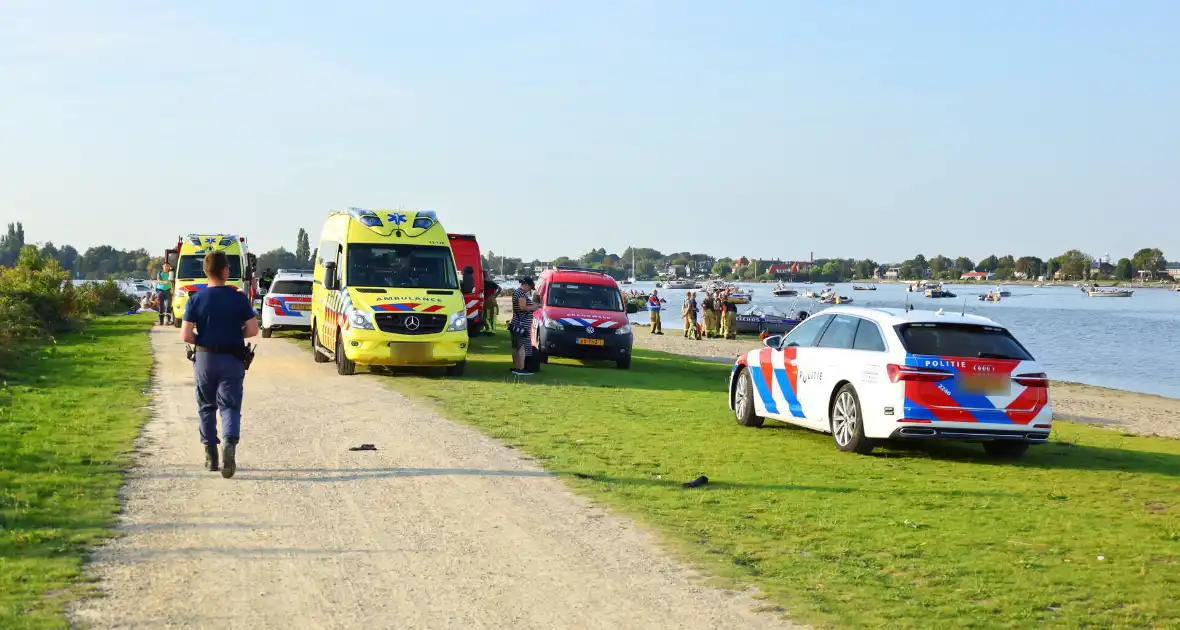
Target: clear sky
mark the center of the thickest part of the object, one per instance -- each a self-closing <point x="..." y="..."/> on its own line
<point x="771" y="129"/>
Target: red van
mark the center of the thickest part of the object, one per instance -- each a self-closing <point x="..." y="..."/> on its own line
<point x="466" y="250"/>
<point x="582" y="316"/>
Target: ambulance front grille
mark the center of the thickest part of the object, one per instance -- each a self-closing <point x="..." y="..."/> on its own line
<point x="398" y="323"/>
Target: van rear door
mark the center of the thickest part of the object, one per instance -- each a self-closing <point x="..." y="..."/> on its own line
<point x="466" y="251"/>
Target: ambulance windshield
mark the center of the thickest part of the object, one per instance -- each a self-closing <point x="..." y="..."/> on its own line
<point x="193" y="266"/>
<point x="401" y="267"/>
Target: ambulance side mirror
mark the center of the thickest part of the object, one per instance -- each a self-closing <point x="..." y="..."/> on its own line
<point x="331" y="282"/>
<point x="467" y="284"/>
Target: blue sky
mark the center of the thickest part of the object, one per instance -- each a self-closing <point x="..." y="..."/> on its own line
<point x="771" y="129"/>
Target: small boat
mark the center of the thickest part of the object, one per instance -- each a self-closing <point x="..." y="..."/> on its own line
<point x="991" y="296"/>
<point x="864" y="287"/>
<point x="1109" y="293"/>
<point x="629" y="281"/>
<point x="829" y="284"/>
<point x="762" y="319"/>
<point x="1002" y="292"/>
<point x="783" y="290"/>
<point x="740" y="297"/>
<point x="680" y="285"/>
<point x="938" y="292"/>
<point x="835" y="299"/>
<point x="808" y="293"/>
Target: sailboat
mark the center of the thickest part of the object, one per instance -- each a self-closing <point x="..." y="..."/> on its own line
<point x="631" y="278"/>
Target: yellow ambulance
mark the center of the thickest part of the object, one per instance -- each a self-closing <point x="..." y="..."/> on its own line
<point x="189" y="267"/>
<point x="386" y="292"/>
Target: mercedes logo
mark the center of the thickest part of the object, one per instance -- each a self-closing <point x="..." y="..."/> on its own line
<point x="412" y="323"/>
<point x="589" y="330"/>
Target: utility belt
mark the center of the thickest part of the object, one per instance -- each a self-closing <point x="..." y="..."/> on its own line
<point x="244" y="353"/>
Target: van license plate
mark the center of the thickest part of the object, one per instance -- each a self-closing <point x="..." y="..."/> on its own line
<point x="987" y="385"/>
<point x="582" y="341"/>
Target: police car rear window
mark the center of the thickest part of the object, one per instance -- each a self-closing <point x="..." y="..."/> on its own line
<point x="961" y="340"/>
<point x="291" y="287"/>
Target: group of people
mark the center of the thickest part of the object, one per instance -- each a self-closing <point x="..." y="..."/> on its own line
<point x="720" y="317"/>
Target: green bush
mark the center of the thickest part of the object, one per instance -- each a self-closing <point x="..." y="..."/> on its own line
<point x="37" y="299"/>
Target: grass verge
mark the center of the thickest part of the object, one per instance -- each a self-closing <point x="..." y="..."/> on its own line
<point x="1082" y="533"/>
<point x="68" y="419"/>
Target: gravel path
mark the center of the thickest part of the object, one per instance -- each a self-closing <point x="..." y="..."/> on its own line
<point x="439" y="528"/>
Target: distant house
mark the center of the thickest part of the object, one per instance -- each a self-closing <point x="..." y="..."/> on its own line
<point x="1101" y="266"/>
<point x="893" y="273"/>
<point x="977" y="275"/>
<point x="1020" y="275"/>
<point x="676" y="271"/>
<point x="788" y="269"/>
<point x="1173" y="270"/>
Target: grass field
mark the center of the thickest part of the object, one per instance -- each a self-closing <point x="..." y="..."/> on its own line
<point x="67" y="423"/>
<point x="1082" y="533"/>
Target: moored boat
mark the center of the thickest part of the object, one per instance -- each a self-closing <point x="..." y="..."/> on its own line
<point x="1109" y="292"/>
<point x="784" y="290"/>
<point x="864" y="287"/>
<point x="767" y="319"/>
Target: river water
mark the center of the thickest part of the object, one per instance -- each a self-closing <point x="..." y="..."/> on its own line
<point x="1122" y="343"/>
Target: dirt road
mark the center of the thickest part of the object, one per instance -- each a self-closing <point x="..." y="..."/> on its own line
<point x="439" y="528"/>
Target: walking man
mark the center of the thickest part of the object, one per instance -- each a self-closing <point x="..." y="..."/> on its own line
<point x="223" y="319"/>
<point x="164" y="291"/>
<point x="653" y="310"/>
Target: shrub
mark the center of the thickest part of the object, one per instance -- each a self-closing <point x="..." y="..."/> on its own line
<point x="38" y="299"/>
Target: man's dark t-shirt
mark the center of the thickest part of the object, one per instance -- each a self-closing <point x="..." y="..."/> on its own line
<point x="219" y="313"/>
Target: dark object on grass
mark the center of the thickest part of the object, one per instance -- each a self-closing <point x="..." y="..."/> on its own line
<point x="698" y="482"/>
<point x="364" y="447"/>
<point x="583" y="476"/>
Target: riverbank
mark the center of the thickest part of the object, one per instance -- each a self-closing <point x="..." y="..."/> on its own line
<point x="1132" y="412"/>
<point x="69" y="415"/>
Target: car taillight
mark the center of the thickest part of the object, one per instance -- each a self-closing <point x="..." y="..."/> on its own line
<point x="1032" y="380"/>
<point x="898" y="373"/>
<point x="272" y="302"/>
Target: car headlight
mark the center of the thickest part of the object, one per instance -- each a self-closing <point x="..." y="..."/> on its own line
<point x="553" y="324"/>
<point x="458" y="322"/>
<point x="359" y="319"/>
<point x="625" y="329"/>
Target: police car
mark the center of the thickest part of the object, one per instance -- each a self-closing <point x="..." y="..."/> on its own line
<point x="287" y="303"/>
<point x="867" y="374"/>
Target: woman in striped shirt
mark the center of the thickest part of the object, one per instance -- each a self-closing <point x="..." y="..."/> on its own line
<point x="521" y="326"/>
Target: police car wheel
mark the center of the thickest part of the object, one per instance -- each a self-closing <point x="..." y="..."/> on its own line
<point x="624" y="363"/>
<point x="457" y="369"/>
<point x="743" y="401"/>
<point x="175" y="323"/>
<point x="266" y="333"/>
<point x="344" y="367"/>
<point x="847" y="422"/>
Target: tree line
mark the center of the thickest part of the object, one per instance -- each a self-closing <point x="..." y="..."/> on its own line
<point x="651" y="264"/>
<point x="104" y="261"/>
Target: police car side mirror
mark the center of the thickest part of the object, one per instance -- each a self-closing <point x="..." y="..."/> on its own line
<point x="773" y="341"/>
<point x="331" y="282"/>
<point x="467" y="284"/>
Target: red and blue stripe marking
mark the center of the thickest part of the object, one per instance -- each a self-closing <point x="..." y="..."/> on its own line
<point x="407" y="307"/>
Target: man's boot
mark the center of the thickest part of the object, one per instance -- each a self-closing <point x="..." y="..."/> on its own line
<point x="227" y="456"/>
<point x="211" y="458"/>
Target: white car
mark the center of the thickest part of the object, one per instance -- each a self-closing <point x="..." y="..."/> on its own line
<point x="868" y="374"/>
<point x="287" y="303"/>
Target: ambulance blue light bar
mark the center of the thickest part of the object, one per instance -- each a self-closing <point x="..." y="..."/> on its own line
<point x="367" y="218"/>
<point x="425" y="219"/>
